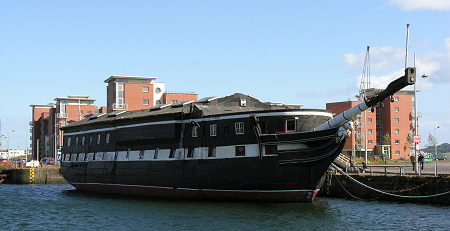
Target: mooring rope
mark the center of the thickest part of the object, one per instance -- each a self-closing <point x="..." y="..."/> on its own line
<point x="386" y="193"/>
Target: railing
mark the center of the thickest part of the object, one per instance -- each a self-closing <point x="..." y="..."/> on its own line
<point x="61" y="115"/>
<point x="117" y="106"/>
<point x="393" y="170"/>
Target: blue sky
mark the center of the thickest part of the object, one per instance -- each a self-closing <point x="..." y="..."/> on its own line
<point x="293" y="52"/>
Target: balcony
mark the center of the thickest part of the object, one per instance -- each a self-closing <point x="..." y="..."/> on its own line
<point x="117" y="106"/>
<point x="61" y="115"/>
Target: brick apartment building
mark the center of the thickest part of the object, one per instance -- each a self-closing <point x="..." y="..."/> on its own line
<point x="391" y="117"/>
<point x="123" y="93"/>
<point x="47" y="119"/>
<point x="135" y="93"/>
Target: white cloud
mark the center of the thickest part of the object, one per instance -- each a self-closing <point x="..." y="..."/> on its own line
<point x="380" y="58"/>
<point x="409" y="5"/>
<point x="388" y="59"/>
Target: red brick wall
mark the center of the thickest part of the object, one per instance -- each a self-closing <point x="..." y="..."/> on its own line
<point x="110" y="95"/>
<point x="169" y="97"/>
<point x="72" y="111"/>
<point x="134" y="96"/>
<point x="404" y="125"/>
<point x="340" y="107"/>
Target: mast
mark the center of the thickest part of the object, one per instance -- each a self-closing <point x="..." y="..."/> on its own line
<point x="365" y="84"/>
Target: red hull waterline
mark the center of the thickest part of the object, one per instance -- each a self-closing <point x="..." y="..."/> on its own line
<point x="208" y="194"/>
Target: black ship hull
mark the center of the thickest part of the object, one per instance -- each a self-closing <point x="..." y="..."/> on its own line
<point x="293" y="174"/>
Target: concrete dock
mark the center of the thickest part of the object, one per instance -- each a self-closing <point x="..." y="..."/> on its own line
<point x="40" y="175"/>
<point x="391" y="183"/>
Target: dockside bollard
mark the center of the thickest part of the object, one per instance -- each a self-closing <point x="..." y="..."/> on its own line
<point x="435" y="169"/>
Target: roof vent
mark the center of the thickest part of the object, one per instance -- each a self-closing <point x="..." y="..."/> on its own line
<point x="96" y="115"/>
<point x="180" y="104"/>
<point x="243" y="103"/>
<point x="207" y="99"/>
<point x="159" y="107"/>
<point x="115" y="113"/>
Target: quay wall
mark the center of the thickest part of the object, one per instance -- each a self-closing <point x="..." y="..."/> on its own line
<point x="40" y="175"/>
<point x="339" y="185"/>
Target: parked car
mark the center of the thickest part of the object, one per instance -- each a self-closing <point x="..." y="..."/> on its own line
<point x="47" y="160"/>
<point x="440" y="158"/>
<point x="32" y="164"/>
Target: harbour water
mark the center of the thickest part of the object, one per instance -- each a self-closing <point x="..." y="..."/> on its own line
<point x="61" y="207"/>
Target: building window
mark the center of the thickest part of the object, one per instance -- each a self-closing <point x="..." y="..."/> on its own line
<point x="174" y="101"/>
<point x="99" y="138"/>
<point x="90" y="139"/>
<point x="80" y="112"/>
<point x="369" y="120"/>
<point x="290" y="125"/>
<point x="144" y="89"/>
<point x="397" y="120"/>
<point x="397" y="141"/>
<point x="156" y="153"/>
<point x="68" y="141"/>
<point x="395" y="99"/>
<point x="397" y="131"/>
<point x="82" y="140"/>
<point x="158" y="102"/>
<point x="240" y="150"/>
<point x="158" y="90"/>
<point x="369" y="131"/>
<point x="358" y="131"/>
<point x="141" y="154"/>
<point x="397" y="152"/>
<point x="396" y="109"/>
<point x="145" y="102"/>
<point x="239" y="128"/>
<point x="190" y="153"/>
<point x="194" y="131"/>
<point x="212" y="151"/>
<point x="172" y="153"/>
<point x="213" y="129"/>
<point x="271" y="149"/>
<point x="63" y="122"/>
<point x="76" y="140"/>
<point x="89" y="112"/>
<point x="369" y="142"/>
<point x="107" y="138"/>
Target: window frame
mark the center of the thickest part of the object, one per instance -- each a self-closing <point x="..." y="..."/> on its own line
<point x="194" y="131"/>
<point x="145" y="102"/>
<point x="239" y="128"/>
<point x="212" y="151"/>
<point x="144" y="89"/>
<point x="213" y="130"/>
<point x="286" y="125"/>
<point x="238" y="152"/>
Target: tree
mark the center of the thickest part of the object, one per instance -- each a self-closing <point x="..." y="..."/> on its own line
<point x="409" y="142"/>
<point x="387" y="139"/>
<point x="432" y="141"/>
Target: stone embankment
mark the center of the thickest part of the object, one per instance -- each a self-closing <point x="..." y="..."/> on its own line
<point x="414" y="189"/>
<point x="40" y="175"/>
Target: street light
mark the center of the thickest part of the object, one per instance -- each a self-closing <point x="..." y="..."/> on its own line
<point x="435" y="139"/>
<point x="416" y="120"/>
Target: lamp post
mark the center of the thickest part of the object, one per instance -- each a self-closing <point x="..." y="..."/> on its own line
<point x="435" y="139"/>
<point x="416" y="121"/>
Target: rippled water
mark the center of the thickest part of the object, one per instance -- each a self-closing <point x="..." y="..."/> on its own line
<point x="60" y="207"/>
